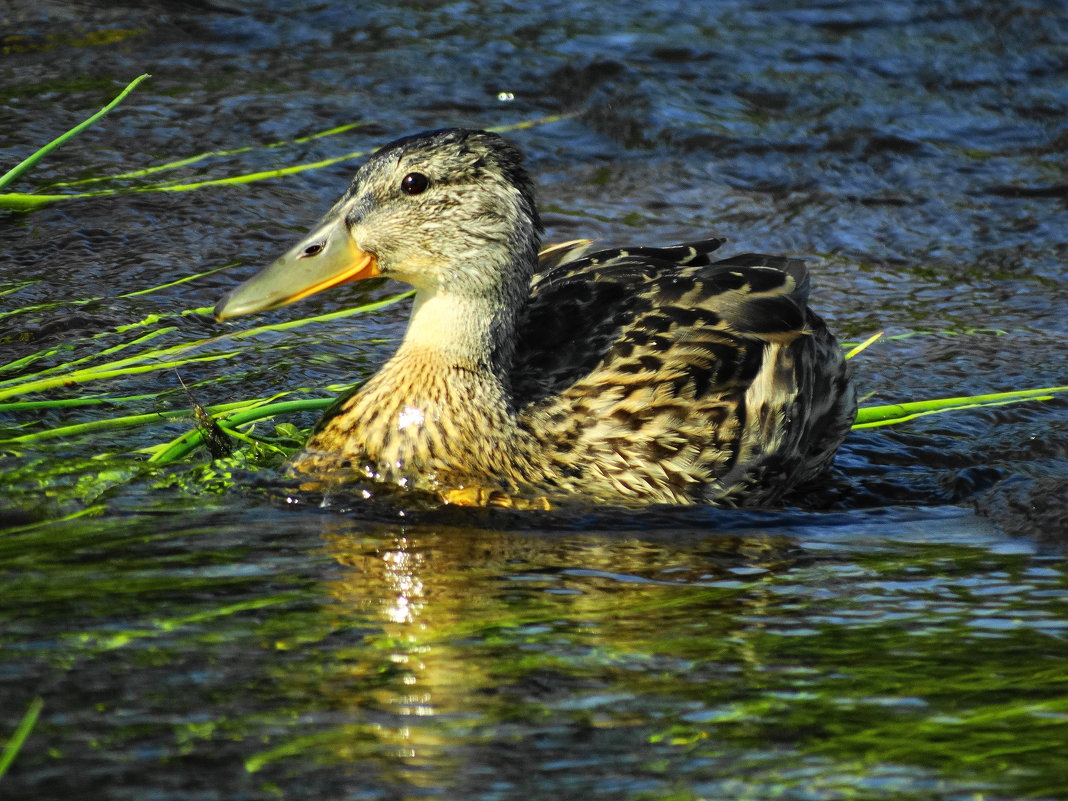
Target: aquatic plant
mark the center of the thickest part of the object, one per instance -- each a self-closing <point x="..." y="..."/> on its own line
<point x="118" y="184"/>
<point x="136" y="355"/>
<point x="23" y="202"/>
<point x="18" y="738"/>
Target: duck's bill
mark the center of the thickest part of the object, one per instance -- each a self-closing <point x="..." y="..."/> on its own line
<point x="325" y="258"/>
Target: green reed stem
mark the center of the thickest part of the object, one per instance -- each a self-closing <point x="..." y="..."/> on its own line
<point x="114" y="423"/>
<point x="85" y="400"/>
<point x="126" y="367"/>
<point x="191" y="440"/>
<point x="184" y="279"/>
<point x="162" y="358"/>
<point x="16" y="287"/>
<point x="867" y="417"/>
<point x="150" y="290"/>
<point x="22" y="731"/>
<point x="872" y="416"/>
<point x="91" y="357"/>
<point x="863" y="345"/>
<point x="28" y="202"/>
<point x="29" y="161"/>
<point x="174" y="165"/>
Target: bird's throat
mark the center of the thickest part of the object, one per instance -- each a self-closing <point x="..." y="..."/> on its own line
<point x="437" y="412"/>
<point x="463" y="330"/>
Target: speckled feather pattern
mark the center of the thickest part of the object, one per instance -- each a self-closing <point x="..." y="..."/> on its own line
<point x="639" y="375"/>
<point x="659" y="374"/>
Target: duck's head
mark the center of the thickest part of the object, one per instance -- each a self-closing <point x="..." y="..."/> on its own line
<point x="447" y="211"/>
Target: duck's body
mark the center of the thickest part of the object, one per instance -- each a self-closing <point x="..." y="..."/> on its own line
<point x="634" y="376"/>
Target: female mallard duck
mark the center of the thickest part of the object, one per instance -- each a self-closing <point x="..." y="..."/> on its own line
<point x="643" y="375"/>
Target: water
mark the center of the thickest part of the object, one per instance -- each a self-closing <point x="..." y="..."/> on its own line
<point x="202" y="632"/>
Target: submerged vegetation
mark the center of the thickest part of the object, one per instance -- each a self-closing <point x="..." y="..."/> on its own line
<point x="130" y="349"/>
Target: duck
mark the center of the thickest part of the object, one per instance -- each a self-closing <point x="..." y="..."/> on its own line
<point x="629" y="376"/>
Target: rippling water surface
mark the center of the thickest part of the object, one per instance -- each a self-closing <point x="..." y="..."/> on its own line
<point x="202" y="632"/>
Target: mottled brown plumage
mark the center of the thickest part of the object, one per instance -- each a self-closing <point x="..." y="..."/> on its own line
<point x="639" y="375"/>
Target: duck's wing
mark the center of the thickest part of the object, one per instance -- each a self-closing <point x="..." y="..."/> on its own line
<point x="615" y="310"/>
<point x="551" y="259"/>
<point x="552" y="256"/>
<point x="694" y="379"/>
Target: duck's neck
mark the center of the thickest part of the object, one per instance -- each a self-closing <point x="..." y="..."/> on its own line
<point x="464" y="331"/>
<point x="452" y="369"/>
<point x="440" y="408"/>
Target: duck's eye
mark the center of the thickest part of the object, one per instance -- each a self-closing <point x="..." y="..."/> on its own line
<point x="414" y="183"/>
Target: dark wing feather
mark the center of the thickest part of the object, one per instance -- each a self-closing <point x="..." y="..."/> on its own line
<point x="658" y="367"/>
<point x="595" y="312"/>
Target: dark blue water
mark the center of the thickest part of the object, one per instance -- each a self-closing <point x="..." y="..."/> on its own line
<point x="203" y="632"/>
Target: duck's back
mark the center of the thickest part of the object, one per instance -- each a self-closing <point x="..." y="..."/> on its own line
<point x="661" y="375"/>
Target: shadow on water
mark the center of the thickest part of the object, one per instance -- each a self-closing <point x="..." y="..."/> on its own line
<point x="204" y="631"/>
